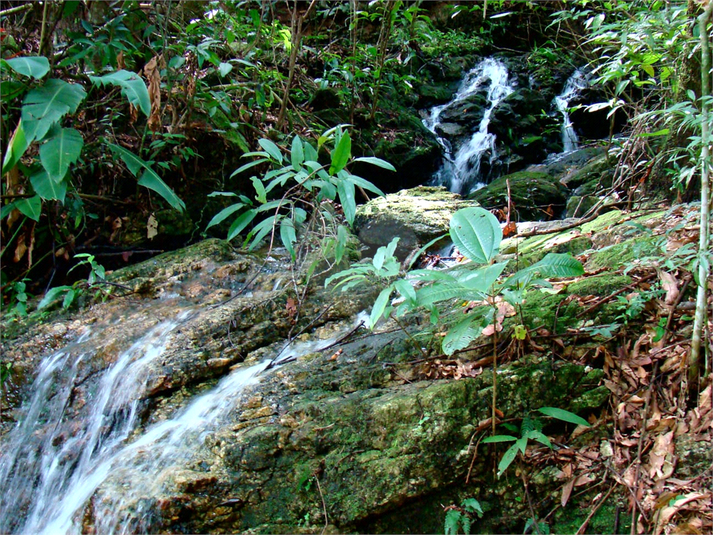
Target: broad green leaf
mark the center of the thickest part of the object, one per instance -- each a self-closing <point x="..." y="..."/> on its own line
<point x="507" y="459"/>
<point x="288" y="236"/>
<point x="534" y="434"/>
<point x="31" y="207"/>
<point x="48" y="189"/>
<point x="499" y="438"/>
<point x="262" y="229"/>
<point x="477" y="234"/>
<point x="132" y="87"/>
<point x="461" y="335"/>
<point x="297" y="156"/>
<point x="341" y="245"/>
<point x="52" y="295"/>
<point x="33" y="66"/>
<point x="224" y="68"/>
<point x="61" y="149"/>
<point x="405" y="289"/>
<point x="379" y="306"/>
<point x="443" y="291"/>
<point x="272" y="149"/>
<point x="563" y="415"/>
<point x="521" y="444"/>
<point x="240" y="223"/>
<point x="364" y="184"/>
<point x="341" y="154"/>
<point x="552" y="265"/>
<point x="376" y="161"/>
<point x="247" y="166"/>
<point x="224" y="214"/>
<point x="149" y="178"/>
<point x="482" y="279"/>
<point x="347" y="199"/>
<point x="259" y="190"/>
<point x="69" y="298"/>
<point x="46" y="105"/>
<point x="7" y="209"/>
<point x="15" y="148"/>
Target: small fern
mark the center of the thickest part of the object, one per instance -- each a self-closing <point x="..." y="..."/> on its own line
<point x="461" y="518"/>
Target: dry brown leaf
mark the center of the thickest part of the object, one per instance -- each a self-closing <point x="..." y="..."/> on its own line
<point x="152" y="73"/>
<point x="670" y="285"/>
<point x="566" y="492"/>
<point x="151" y="227"/>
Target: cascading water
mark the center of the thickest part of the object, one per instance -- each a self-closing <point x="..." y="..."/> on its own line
<point x="53" y="474"/>
<point x="43" y="463"/>
<point x="462" y="173"/>
<point x="572" y="88"/>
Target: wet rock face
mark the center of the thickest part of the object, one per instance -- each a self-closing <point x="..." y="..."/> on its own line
<point x="416" y="216"/>
<point x="347" y="434"/>
<point x="535" y="196"/>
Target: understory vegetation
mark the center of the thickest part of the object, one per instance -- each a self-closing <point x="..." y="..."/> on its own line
<point x="131" y="128"/>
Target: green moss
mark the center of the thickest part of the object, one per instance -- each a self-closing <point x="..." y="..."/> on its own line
<point x="623" y="254"/>
<point x="569" y="519"/>
<point x="599" y="285"/>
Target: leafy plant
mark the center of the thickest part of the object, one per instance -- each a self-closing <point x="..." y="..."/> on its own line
<point x="460" y="518"/>
<point x="297" y="189"/>
<point x="69" y="294"/>
<point x="530" y="429"/>
<point x="477" y="234"/>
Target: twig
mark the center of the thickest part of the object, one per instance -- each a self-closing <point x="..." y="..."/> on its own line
<point x="644" y="416"/>
<point x="594" y="510"/>
<point x="324" y="505"/>
<point x="535" y="524"/>
<point x="17" y="9"/>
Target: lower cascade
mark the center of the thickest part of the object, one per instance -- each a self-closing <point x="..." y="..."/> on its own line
<point x="61" y="470"/>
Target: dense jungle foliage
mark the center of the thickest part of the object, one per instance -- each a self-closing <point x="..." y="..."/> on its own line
<point x="133" y="128"/>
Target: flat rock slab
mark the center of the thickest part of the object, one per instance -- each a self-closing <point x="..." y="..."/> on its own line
<point x="416" y="216"/>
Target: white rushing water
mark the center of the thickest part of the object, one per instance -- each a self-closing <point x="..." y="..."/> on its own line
<point x="572" y="87"/>
<point x="47" y="484"/>
<point x="461" y="172"/>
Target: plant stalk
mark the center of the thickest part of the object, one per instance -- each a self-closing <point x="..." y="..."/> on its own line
<point x="694" y="363"/>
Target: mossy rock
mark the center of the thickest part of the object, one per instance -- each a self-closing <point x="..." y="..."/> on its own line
<point x="416" y="216"/>
<point x="533" y="195"/>
<point x="624" y="254"/>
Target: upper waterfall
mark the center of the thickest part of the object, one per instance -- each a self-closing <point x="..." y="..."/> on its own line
<point x="461" y="172"/>
<point x="572" y="88"/>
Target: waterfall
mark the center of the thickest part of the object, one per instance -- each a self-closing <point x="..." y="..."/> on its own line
<point x="44" y="469"/>
<point x="461" y="172"/>
<point x="50" y="478"/>
<point x="572" y="87"/>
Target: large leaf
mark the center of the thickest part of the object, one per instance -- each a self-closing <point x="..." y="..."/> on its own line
<point x="224" y="214"/>
<point x="380" y="306"/>
<point x="341" y="154"/>
<point x="272" y="149"/>
<point x="33" y="66"/>
<point x="563" y="415"/>
<point x="477" y="234"/>
<point x="46" y="105"/>
<point x="376" y="161"/>
<point x="52" y="295"/>
<point x="132" y="87"/>
<point x="347" y="199"/>
<point x="15" y="149"/>
<point x="149" y="178"/>
<point x="461" y="335"/>
<point x="61" y="150"/>
<point x="552" y="265"/>
<point x="48" y="189"/>
<point x="31" y="207"/>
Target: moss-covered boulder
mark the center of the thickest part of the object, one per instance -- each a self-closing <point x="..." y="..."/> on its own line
<point x="416" y="216"/>
<point x="534" y="196"/>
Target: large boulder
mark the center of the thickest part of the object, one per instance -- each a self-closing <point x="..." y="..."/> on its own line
<point x="535" y="196"/>
<point x="416" y="216"/>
